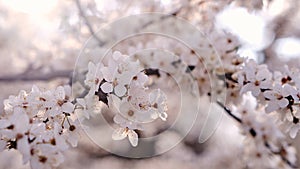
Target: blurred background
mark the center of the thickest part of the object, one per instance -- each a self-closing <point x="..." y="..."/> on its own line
<point x="41" y="39"/>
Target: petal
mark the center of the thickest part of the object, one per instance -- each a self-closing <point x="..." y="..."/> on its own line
<point x="255" y="91"/>
<point x="269" y="95"/>
<point x="107" y="74"/>
<point x="35" y="89"/>
<point x="142" y="78"/>
<point x="2" y="145"/>
<point x="120" y="90"/>
<point x="263" y="74"/>
<point x="283" y="102"/>
<point x="4" y="123"/>
<point x="56" y="159"/>
<point x="24" y="148"/>
<point x="68" y="107"/>
<point x="68" y="90"/>
<point x="133" y="138"/>
<point x="246" y="88"/>
<point x="60" y="93"/>
<point x="154" y="95"/>
<point x="250" y="76"/>
<point x="288" y="90"/>
<point x="272" y="106"/>
<point x="294" y="130"/>
<point x="91" y="67"/>
<point x="267" y="84"/>
<point x="72" y="139"/>
<point x="107" y="87"/>
<point x="119" y="134"/>
<point x="35" y="164"/>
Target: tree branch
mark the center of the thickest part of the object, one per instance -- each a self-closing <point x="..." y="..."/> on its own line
<point x="252" y="132"/>
<point x="36" y="76"/>
<point x="229" y="112"/>
<point x="88" y="24"/>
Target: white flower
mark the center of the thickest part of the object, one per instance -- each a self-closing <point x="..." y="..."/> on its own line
<point x="118" y="73"/>
<point x="257" y="77"/>
<point x="45" y="156"/>
<point x="93" y="77"/>
<point x="17" y="123"/>
<point x="158" y="103"/>
<point x="277" y="97"/>
<point x="126" y="129"/>
<point x="121" y="133"/>
<point x="24" y="148"/>
<point x="58" y="102"/>
<point x="88" y="106"/>
<point x="293" y="118"/>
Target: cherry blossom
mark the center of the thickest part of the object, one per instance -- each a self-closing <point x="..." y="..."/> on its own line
<point x="118" y="73"/>
<point x="126" y="129"/>
<point x="278" y="97"/>
<point x="256" y="78"/>
<point x="94" y="76"/>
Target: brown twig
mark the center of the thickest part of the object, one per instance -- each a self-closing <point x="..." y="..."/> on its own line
<point x="88" y="24"/>
<point x="252" y="132"/>
<point x="36" y="76"/>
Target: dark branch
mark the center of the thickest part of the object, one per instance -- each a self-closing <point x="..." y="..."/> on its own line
<point x="253" y="134"/>
<point x="229" y="112"/>
<point x="36" y="76"/>
<point x="88" y="24"/>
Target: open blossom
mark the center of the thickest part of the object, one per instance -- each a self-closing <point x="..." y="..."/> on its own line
<point x="255" y="78"/>
<point x="93" y="76"/>
<point x="292" y="124"/>
<point x="118" y="73"/>
<point x="132" y="115"/>
<point x="123" y="85"/>
<point x="142" y="107"/>
<point x="158" y="104"/>
<point x="88" y="106"/>
<point x="45" y="156"/>
<point x="126" y="129"/>
<point x="277" y="97"/>
<point x="59" y="101"/>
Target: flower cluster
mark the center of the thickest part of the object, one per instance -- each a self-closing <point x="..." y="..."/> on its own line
<point x="121" y="83"/>
<point x="40" y="125"/>
<point x="277" y="92"/>
<point x="266" y="144"/>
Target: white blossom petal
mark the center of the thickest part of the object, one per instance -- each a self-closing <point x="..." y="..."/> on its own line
<point x="24" y="148"/>
<point x="283" y="102"/>
<point x="120" y="90"/>
<point x="133" y="138"/>
<point x="119" y="134"/>
<point x="272" y="106"/>
<point x="60" y="93"/>
<point x="247" y="87"/>
<point x="294" y="130"/>
<point x="108" y="75"/>
<point x="2" y="145"/>
<point x="107" y="87"/>
<point x="68" y="107"/>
